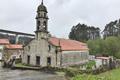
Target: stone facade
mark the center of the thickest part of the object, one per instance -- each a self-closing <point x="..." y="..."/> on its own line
<point x="44" y="51"/>
<point x="1" y="51"/>
<point x="40" y="48"/>
<point x="9" y="54"/>
<point x="12" y="51"/>
<point x="74" y="57"/>
<point x="3" y="42"/>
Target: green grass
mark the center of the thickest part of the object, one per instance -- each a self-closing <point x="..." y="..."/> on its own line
<point x="24" y="65"/>
<point x="21" y="65"/>
<point x="110" y="75"/>
<point x="113" y="75"/>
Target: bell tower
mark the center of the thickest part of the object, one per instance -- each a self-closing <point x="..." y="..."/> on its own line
<point x="41" y="20"/>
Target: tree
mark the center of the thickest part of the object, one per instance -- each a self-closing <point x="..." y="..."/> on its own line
<point x="112" y="29"/>
<point x="110" y="46"/>
<point x="82" y="32"/>
<point x="96" y="46"/>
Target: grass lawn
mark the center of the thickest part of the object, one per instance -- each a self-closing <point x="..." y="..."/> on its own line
<point x="23" y="66"/>
<point x="113" y="75"/>
<point x="110" y="75"/>
<point x="20" y="65"/>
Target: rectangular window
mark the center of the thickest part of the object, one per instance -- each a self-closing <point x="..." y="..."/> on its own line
<point x="38" y="60"/>
<point x="49" y="61"/>
<point x="28" y="59"/>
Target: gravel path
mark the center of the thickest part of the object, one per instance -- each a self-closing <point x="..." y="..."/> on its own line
<point x="7" y="74"/>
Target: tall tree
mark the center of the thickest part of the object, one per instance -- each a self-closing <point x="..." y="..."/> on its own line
<point x="82" y="32"/>
<point x="112" y="29"/>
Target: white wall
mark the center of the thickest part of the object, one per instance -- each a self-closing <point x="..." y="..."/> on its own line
<point x="0" y="56"/>
<point x="1" y="48"/>
<point x="100" y="62"/>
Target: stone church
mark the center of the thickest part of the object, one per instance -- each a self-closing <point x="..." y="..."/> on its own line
<point x="46" y="50"/>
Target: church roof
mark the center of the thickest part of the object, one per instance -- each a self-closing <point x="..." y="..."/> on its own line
<point x="4" y="41"/>
<point x="68" y="45"/>
<point x="14" y="46"/>
<point x="41" y="7"/>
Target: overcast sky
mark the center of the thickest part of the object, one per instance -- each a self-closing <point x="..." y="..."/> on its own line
<point x="19" y="15"/>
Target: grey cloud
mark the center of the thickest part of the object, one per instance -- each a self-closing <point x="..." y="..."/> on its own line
<point x="20" y="15"/>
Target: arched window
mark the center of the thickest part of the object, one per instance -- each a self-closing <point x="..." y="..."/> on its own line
<point x="28" y="48"/>
<point x="44" y="14"/>
<point x="45" y="24"/>
<point x="38" y="23"/>
<point x="49" y="48"/>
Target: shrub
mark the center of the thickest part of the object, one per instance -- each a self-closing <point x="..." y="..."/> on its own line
<point x="18" y="61"/>
<point x="90" y="77"/>
<point x="90" y="64"/>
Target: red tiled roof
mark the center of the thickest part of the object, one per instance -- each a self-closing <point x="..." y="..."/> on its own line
<point x="105" y="58"/>
<point x="68" y="45"/>
<point x="4" y="41"/>
<point x="14" y="46"/>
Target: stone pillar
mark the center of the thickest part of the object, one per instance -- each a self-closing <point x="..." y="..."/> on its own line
<point x="17" y="39"/>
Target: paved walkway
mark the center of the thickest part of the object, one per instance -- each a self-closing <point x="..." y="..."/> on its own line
<point x="7" y="74"/>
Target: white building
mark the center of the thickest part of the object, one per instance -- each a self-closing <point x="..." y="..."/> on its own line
<point x="100" y="61"/>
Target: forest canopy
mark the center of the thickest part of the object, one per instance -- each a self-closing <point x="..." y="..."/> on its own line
<point x="109" y="46"/>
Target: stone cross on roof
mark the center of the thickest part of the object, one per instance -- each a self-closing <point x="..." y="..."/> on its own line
<point x="42" y="2"/>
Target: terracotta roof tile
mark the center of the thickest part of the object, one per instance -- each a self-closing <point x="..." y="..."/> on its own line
<point x="68" y="45"/>
<point x="4" y="41"/>
<point x="14" y="46"/>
